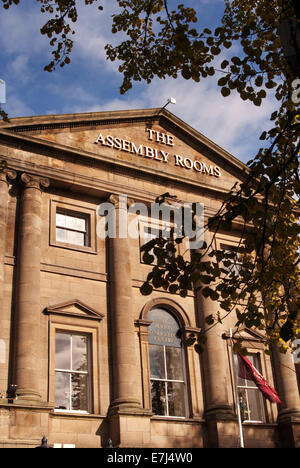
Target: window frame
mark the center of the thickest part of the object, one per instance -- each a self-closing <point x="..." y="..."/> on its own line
<point x="246" y="387"/>
<point x="89" y="214"/>
<point x="84" y="232"/>
<point x="92" y="333"/>
<point x="72" y="371"/>
<point x="166" y="380"/>
<point x="194" y="388"/>
<point x="75" y="317"/>
<point x="252" y="340"/>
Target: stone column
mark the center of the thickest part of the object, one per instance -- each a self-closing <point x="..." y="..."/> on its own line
<point x="124" y="350"/>
<point x="28" y="308"/>
<point x="4" y="331"/>
<point x="287" y="386"/>
<point x="218" y="411"/>
<point x="4" y="176"/>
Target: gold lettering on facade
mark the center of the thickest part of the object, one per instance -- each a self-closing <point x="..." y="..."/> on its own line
<point x="149" y="152"/>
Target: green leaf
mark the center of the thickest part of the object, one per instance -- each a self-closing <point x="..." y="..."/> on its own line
<point x="286" y="331"/>
<point x="209" y="320"/>
<point x="225" y="91"/>
<point x="146" y="289"/>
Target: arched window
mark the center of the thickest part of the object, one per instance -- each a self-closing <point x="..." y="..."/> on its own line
<point x="166" y="364"/>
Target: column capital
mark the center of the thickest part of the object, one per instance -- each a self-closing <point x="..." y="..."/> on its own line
<point x="32" y="181"/>
<point x="120" y="201"/>
<point x="7" y="174"/>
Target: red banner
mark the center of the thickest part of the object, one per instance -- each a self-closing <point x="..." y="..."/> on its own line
<point x="247" y="371"/>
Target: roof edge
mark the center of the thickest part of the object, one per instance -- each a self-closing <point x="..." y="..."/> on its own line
<point x="23" y="124"/>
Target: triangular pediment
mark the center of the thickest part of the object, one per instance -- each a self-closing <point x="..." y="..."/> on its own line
<point x="250" y="335"/>
<point x="150" y="141"/>
<point x="74" y="308"/>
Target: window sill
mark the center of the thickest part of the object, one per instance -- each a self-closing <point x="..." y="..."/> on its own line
<point x="79" y="248"/>
<point x="177" y="419"/>
<point x="257" y="423"/>
<point x="76" y="414"/>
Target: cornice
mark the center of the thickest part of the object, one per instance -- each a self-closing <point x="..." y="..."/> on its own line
<point x="81" y="119"/>
<point x="101" y="188"/>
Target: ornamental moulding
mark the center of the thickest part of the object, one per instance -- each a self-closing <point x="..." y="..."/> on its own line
<point x="74" y="308"/>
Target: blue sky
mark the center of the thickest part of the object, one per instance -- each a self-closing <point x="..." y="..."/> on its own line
<point x="91" y="83"/>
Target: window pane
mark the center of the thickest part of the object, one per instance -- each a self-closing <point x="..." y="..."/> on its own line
<point x="158" y="395"/>
<point x="60" y="220"/>
<point x="74" y="237"/>
<point x="80" y="392"/>
<point x="79" y="353"/>
<point x="74" y="222"/>
<point x="174" y="364"/>
<point x="255" y="405"/>
<point x="245" y="414"/>
<point x="164" y="329"/>
<point x="176" y="399"/>
<point x="61" y="235"/>
<point x="62" y="390"/>
<point x="62" y="351"/>
<point x="157" y="366"/>
<point x="241" y="381"/>
<point x="254" y="361"/>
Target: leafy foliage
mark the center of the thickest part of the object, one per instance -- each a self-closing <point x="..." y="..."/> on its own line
<point x="264" y="291"/>
<point x="58" y="28"/>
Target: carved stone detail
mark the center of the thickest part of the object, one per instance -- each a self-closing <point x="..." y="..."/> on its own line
<point x="32" y="181"/>
<point x="7" y="174"/>
<point x="120" y="201"/>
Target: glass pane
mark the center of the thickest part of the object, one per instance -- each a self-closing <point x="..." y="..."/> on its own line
<point x="80" y="392"/>
<point x="62" y="351"/>
<point x="174" y="364"/>
<point x="60" y="220"/>
<point x="176" y="399"/>
<point x="254" y="361"/>
<point x="61" y="235"/>
<point x="245" y="414"/>
<point x="157" y="366"/>
<point x="73" y="237"/>
<point x="255" y="405"/>
<point x="79" y="353"/>
<point x="242" y="381"/>
<point x="73" y="222"/>
<point x="158" y="395"/>
<point x="164" y="329"/>
<point x="62" y="390"/>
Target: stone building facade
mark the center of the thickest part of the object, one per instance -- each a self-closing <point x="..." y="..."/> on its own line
<point x="91" y="357"/>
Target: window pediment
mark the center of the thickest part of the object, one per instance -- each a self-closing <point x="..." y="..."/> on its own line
<point x="74" y="308"/>
<point x="251" y="335"/>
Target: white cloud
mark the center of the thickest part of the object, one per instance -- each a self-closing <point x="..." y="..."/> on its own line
<point x="19" y="69"/>
<point x="16" y="107"/>
<point x="20" y="29"/>
<point x="93" y="32"/>
<point x="231" y="123"/>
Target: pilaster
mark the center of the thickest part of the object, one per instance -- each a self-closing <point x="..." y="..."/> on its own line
<point x="126" y="408"/>
<point x="218" y="412"/>
<point x="124" y="352"/>
<point x="289" y="412"/>
<point x="5" y="177"/>
<point x="27" y="343"/>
